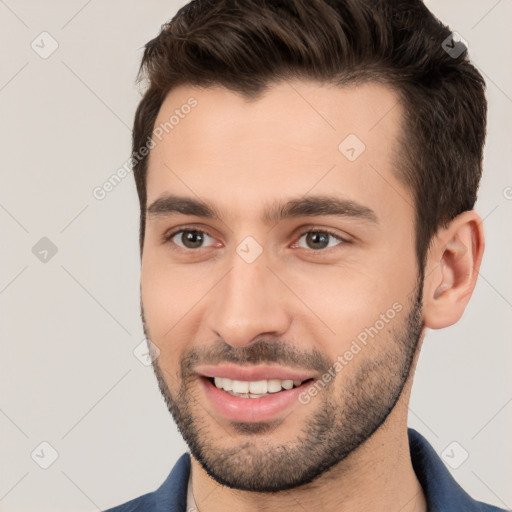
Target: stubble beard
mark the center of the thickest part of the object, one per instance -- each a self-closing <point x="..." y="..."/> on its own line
<point x="342" y="419"/>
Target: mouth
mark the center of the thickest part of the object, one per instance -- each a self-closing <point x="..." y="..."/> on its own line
<point x="243" y="395"/>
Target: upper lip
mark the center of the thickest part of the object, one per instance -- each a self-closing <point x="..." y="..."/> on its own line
<point x="252" y="373"/>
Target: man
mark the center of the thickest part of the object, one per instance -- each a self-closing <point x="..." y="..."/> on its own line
<point x="307" y="171"/>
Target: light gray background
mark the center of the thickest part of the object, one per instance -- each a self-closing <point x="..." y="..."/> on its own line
<point x="68" y="373"/>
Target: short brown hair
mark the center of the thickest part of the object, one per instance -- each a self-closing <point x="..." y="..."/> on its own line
<point x="246" y="45"/>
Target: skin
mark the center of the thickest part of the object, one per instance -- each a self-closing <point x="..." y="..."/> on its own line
<point x="240" y="156"/>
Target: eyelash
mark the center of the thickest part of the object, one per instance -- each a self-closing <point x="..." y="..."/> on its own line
<point x="168" y="238"/>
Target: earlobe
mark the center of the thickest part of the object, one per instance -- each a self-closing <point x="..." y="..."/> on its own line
<point x="452" y="270"/>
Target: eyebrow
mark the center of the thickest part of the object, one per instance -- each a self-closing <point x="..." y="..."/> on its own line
<point x="309" y="206"/>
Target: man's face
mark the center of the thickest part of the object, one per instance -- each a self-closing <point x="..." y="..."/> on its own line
<point x="257" y="296"/>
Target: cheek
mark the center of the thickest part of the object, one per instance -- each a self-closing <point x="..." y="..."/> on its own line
<point x="162" y="312"/>
<point x="172" y="297"/>
<point x="350" y="301"/>
<point x="164" y="297"/>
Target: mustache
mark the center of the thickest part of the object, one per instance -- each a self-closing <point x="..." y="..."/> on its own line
<point x="261" y="351"/>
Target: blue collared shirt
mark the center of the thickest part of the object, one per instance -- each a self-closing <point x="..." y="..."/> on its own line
<point x="442" y="492"/>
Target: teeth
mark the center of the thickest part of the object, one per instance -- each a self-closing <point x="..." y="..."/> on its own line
<point x="287" y="384"/>
<point x="258" y="388"/>
<point x="273" y="386"/>
<point x="254" y="389"/>
<point x="240" y="386"/>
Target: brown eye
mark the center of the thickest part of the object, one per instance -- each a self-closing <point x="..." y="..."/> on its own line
<point x="318" y="240"/>
<point x="189" y="238"/>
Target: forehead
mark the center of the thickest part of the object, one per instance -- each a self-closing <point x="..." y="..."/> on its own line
<point x="296" y="137"/>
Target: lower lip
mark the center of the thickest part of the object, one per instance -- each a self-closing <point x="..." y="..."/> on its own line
<point x="267" y="407"/>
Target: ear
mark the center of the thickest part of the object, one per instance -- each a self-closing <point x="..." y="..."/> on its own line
<point x="451" y="270"/>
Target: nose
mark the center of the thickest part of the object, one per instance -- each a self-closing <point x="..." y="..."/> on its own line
<point x="250" y="301"/>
